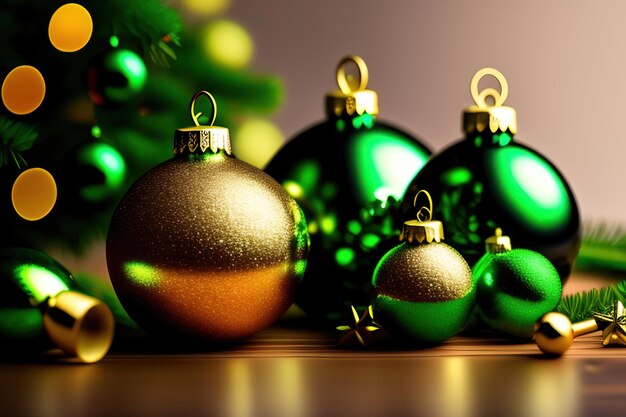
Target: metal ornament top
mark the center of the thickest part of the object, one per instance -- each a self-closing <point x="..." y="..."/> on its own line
<point x="483" y="117"/>
<point x="200" y="139"/>
<point x="352" y="98"/>
<point x="424" y="229"/>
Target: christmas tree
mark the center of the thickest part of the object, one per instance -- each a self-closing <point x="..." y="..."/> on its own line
<point x="110" y="107"/>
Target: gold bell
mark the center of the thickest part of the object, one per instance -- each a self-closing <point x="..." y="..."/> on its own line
<point x="79" y="325"/>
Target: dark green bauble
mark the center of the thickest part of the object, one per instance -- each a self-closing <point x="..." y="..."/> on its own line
<point x="514" y="289"/>
<point x="342" y="176"/>
<point x="116" y="77"/>
<point x="422" y="292"/>
<point x="92" y="176"/>
<point x="488" y="180"/>
<point x="27" y="279"/>
<point x="347" y="174"/>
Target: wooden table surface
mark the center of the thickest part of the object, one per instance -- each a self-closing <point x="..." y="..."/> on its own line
<point x="294" y="370"/>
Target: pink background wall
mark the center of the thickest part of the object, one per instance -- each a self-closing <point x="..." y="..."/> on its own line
<point x="565" y="61"/>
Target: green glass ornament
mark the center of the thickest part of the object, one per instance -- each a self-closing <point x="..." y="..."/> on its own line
<point x="489" y="180"/>
<point x="347" y="174"/>
<point x="422" y="289"/>
<point x="116" y="77"/>
<point x="514" y="287"/>
<point x="92" y="176"/>
<point x="39" y="304"/>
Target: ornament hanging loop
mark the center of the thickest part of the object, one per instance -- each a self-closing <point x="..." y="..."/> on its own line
<point x="428" y="210"/>
<point x="499" y="97"/>
<point x="345" y="81"/>
<point x="195" y="116"/>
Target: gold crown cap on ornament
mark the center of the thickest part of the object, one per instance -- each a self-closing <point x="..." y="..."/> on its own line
<point x="352" y="98"/>
<point x="202" y="139"/>
<point x="494" y="118"/>
<point x="497" y="243"/>
<point x="424" y="229"/>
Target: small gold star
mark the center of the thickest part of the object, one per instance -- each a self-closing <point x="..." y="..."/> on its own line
<point x="615" y="332"/>
<point x="360" y="329"/>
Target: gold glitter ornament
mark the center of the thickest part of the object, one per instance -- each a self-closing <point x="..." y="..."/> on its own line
<point x="206" y="246"/>
<point x="423" y="288"/>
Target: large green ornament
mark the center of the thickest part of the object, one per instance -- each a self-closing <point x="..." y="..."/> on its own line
<point x="116" y="77"/>
<point x="514" y="287"/>
<point x="347" y="174"/>
<point x="489" y="180"/>
<point x="422" y="289"/>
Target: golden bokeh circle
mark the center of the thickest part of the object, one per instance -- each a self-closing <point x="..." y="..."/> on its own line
<point x="70" y="27"/>
<point x="34" y="194"/>
<point x="23" y="89"/>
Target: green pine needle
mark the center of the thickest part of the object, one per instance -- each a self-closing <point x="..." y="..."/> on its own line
<point x="147" y="20"/>
<point x="581" y="306"/>
<point x="15" y="137"/>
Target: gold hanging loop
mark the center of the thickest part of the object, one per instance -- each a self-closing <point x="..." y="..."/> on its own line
<point x="344" y="81"/>
<point x="195" y="116"/>
<point x="479" y="97"/>
<point x="429" y="210"/>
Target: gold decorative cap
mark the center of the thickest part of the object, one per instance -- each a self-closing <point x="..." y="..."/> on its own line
<point x="424" y="229"/>
<point x="202" y="139"/>
<point x="351" y="97"/>
<point x="79" y="325"/>
<point x="498" y="243"/>
<point x="482" y="117"/>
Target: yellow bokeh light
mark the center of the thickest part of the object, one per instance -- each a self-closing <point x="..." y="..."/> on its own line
<point x="206" y="7"/>
<point x="257" y="141"/>
<point x="23" y="90"/>
<point x="227" y="43"/>
<point x="34" y="194"/>
<point x="70" y="27"/>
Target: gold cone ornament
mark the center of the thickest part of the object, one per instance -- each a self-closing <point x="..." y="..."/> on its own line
<point x="205" y="246"/>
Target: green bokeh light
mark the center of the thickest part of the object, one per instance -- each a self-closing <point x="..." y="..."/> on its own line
<point x="344" y="256"/>
<point x="456" y="176"/>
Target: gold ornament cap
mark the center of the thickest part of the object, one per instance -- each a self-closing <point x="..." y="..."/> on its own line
<point x="482" y="117"/>
<point x="202" y="139"/>
<point x="79" y="325"/>
<point x="352" y="98"/>
<point x="424" y="229"/>
<point x="498" y="243"/>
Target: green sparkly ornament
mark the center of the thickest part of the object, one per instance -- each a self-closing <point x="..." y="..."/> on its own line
<point x="514" y="287"/>
<point x="116" y="77"/>
<point x="422" y="289"/>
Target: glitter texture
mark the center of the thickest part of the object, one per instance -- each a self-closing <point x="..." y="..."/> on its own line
<point x="223" y="242"/>
<point x="425" y="273"/>
<point x="514" y="289"/>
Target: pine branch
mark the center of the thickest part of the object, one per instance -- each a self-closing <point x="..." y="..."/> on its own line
<point x="581" y="306"/>
<point x="15" y="137"/>
<point x="150" y="21"/>
<point x="603" y="248"/>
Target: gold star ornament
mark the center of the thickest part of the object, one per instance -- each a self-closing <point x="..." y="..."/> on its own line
<point x="361" y="329"/>
<point x="615" y="331"/>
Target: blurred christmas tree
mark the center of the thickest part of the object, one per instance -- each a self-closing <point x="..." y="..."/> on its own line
<point x="111" y="104"/>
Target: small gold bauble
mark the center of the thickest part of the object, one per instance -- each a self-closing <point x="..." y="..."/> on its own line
<point x="553" y="333"/>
